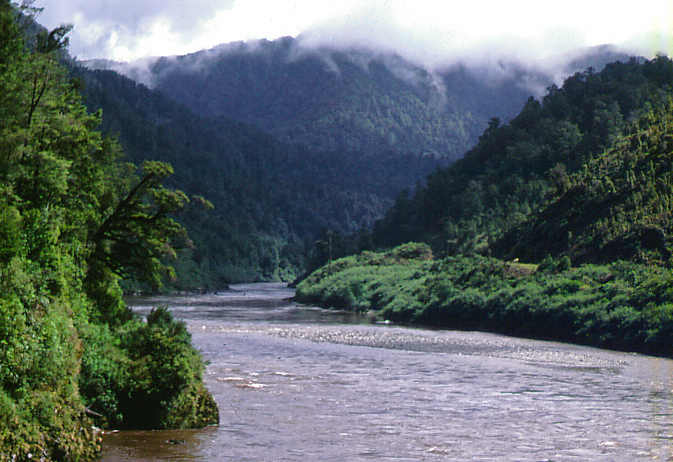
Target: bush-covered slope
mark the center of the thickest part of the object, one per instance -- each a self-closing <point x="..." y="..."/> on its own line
<point x="345" y="101"/>
<point x="73" y="221"/>
<point x="573" y="195"/>
<point x="588" y="143"/>
<point x="622" y="306"/>
<point x="618" y="206"/>
<point x="366" y="112"/>
<point x="270" y="199"/>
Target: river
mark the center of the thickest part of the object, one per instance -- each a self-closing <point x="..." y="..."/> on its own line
<point x="298" y="383"/>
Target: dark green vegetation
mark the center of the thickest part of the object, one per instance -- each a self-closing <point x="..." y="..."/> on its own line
<point x="345" y="101"/>
<point x="365" y="126"/>
<point x="74" y="221"/>
<point x="145" y="375"/>
<point x="579" y="184"/>
<point x="622" y="306"/>
<point x="271" y="200"/>
<point x="575" y="174"/>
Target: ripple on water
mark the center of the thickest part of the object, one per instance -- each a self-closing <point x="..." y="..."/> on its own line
<point x="451" y="342"/>
<point x="291" y="388"/>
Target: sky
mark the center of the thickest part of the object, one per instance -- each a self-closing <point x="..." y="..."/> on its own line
<point x="426" y="30"/>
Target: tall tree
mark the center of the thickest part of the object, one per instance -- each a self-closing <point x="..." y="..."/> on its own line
<point x="64" y="197"/>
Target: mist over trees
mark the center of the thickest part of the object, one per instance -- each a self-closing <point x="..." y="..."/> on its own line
<point x="331" y="154"/>
<point x="271" y="200"/>
<point x="556" y="226"/>
<point x="293" y="145"/>
<point x="341" y="100"/>
<point x="579" y="173"/>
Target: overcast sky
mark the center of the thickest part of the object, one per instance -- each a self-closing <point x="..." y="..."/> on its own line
<point x="430" y="30"/>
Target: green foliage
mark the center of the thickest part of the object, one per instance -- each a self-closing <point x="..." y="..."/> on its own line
<point x="584" y="174"/>
<point x="149" y="377"/>
<point x="463" y="309"/>
<point x="617" y="205"/>
<point x="360" y="283"/>
<point x="340" y="101"/>
<point x="60" y="310"/>
<point x="104" y="371"/>
<point x="411" y="251"/>
<point x="163" y="385"/>
<point x="132" y="240"/>
<point x="623" y="306"/>
<point x="581" y="177"/>
<point x="271" y="201"/>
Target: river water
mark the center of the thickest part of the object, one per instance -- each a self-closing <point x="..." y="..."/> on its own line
<point x="302" y="384"/>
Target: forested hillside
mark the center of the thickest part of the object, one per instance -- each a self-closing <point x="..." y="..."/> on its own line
<point x="579" y="173"/>
<point x="344" y="101"/>
<point x="618" y="206"/>
<point x="556" y="226"/>
<point x="365" y="127"/>
<point x="74" y="221"/>
<point x="271" y="201"/>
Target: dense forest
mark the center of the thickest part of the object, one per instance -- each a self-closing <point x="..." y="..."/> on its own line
<point x="74" y="221"/>
<point x="341" y="100"/>
<point x="532" y="187"/>
<point x="271" y="201"/>
<point x="279" y="208"/>
<point x="555" y="226"/>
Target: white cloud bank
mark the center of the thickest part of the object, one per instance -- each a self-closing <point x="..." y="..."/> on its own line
<point x="426" y="30"/>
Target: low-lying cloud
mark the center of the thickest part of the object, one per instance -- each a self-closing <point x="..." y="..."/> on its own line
<point x="428" y="31"/>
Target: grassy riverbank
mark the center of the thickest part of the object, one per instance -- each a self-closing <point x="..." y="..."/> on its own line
<point x="622" y="306"/>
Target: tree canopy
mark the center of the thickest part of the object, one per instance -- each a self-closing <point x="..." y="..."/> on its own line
<point x="74" y="220"/>
<point x="573" y="164"/>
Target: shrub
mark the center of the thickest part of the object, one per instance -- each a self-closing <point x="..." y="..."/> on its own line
<point x="165" y="387"/>
<point x="411" y="251"/>
<point x="149" y="378"/>
<point x="562" y="286"/>
<point x="461" y="310"/>
<point x="104" y="373"/>
<point x="623" y="306"/>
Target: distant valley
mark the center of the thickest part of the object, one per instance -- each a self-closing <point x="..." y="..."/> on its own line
<point x="299" y="146"/>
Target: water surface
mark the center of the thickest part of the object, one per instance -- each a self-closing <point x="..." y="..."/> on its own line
<point x="298" y="383"/>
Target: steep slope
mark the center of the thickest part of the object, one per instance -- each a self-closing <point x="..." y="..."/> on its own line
<point x="374" y="113"/>
<point x="619" y="206"/>
<point x="331" y="100"/>
<point x="574" y="198"/>
<point x="571" y="174"/>
<point x="73" y="220"/>
<point x="271" y="199"/>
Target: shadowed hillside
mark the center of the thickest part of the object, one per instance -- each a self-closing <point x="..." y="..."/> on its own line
<point x="346" y="101"/>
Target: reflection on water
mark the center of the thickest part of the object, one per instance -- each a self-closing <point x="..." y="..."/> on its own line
<point x="296" y="383"/>
<point x="258" y="303"/>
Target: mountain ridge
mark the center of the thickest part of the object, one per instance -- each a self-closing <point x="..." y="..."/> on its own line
<point x="272" y="199"/>
<point x="356" y="99"/>
<point x="578" y="174"/>
<point x="336" y="191"/>
<point x="326" y="99"/>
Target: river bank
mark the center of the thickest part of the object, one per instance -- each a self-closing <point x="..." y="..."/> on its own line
<point x="623" y="306"/>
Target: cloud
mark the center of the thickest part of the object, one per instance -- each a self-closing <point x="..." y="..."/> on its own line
<point x="125" y="29"/>
<point x="135" y="15"/>
<point x="528" y="30"/>
<point x="428" y="30"/>
<point x="130" y="29"/>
